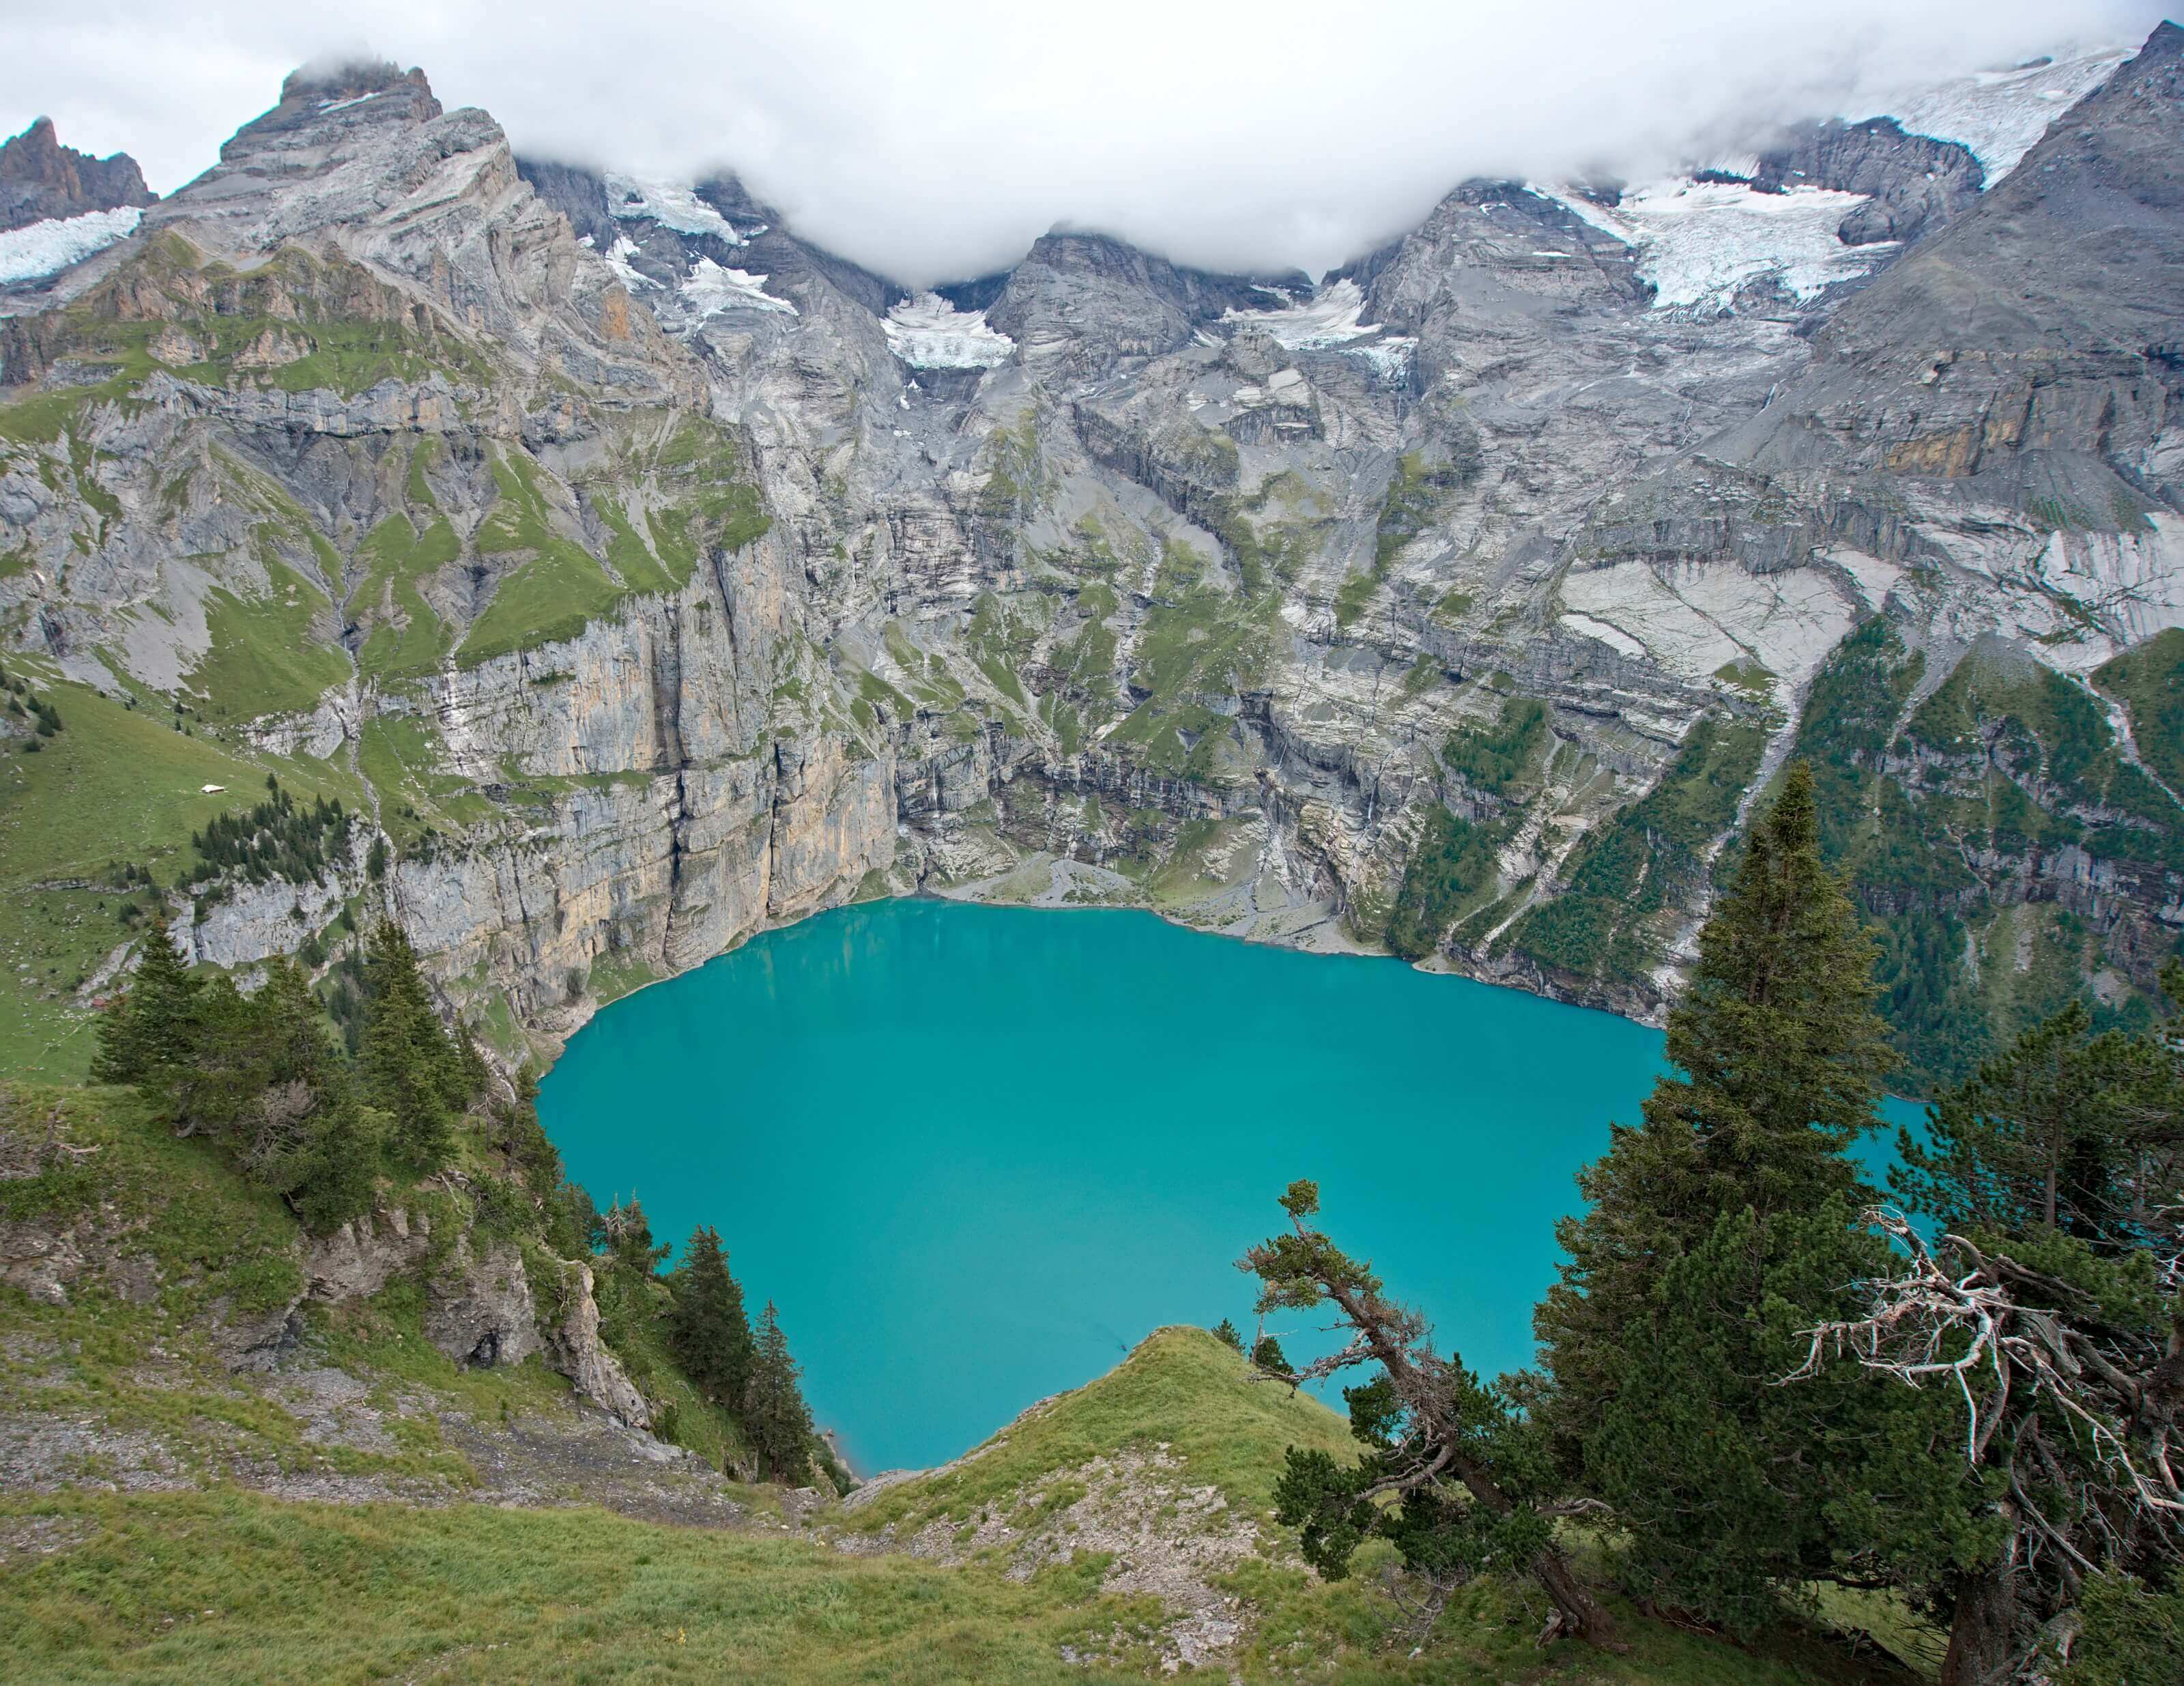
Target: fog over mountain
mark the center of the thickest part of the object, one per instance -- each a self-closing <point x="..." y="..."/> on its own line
<point x="929" y="143"/>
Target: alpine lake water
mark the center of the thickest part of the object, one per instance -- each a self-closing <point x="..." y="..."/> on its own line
<point x="974" y="1153"/>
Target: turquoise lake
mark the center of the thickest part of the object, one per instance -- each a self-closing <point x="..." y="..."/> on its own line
<point x="974" y="1154"/>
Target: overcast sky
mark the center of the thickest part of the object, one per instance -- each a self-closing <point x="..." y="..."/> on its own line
<point x="936" y="141"/>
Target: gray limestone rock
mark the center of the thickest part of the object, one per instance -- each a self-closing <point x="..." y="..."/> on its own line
<point x="478" y="1308"/>
<point x="574" y="1348"/>
<point x="1912" y="184"/>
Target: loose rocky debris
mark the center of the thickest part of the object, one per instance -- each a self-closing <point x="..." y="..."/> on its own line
<point x="1166" y="1540"/>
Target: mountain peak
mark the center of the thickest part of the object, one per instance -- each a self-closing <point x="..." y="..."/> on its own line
<point x="333" y="79"/>
<point x="41" y="179"/>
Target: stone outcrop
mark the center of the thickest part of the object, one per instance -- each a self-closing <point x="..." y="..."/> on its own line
<point x="360" y="1257"/>
<point x="574" y="1348"/>
<point x="41" y="179"/>
<point x="1911" y="184"/>
<point x="478" y="1307"/>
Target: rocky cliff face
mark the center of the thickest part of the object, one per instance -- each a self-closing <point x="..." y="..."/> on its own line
<point x="649" y="576"/>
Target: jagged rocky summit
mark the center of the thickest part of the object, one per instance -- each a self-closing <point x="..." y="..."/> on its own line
<point x="41" y="180"/>
<point x="649" y="575"/>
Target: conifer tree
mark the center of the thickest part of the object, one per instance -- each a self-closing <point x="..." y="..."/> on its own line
<point x="301" y="1131"/>
<point x="1729" y="1219"/>
<point x="518" y="1134"/>
<point x="1452" y="1474"/>
<point x="411" y="1070"/>
<point x="629" y="1238"/>
<point x="211" y="1091"/>
<point x="1228" y="1335"/>
<point x="707" y="1329"/>
<point x="261" y="1074"/>
<point x="1780" y="1058"/>
<point x="155" y="1027"/>
<point x="336" y="1168"/>
<point x="2044" y="1136"/>
<point x="2056" y="1179"/>
<point x="776" y="1420"/>
<point x="1266" y="1353"/>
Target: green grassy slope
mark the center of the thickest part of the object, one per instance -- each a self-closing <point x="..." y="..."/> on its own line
<point x="1181" y="1388"/>
<point x="230" y="1587"/>
<point x="227" y="1585"/>
<point x="116" y="785"/>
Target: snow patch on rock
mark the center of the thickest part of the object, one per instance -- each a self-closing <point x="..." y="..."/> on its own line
<point x="710" y="289"/>
<point x="618" y="257"/>
<point x="670" y="206"/>
<point x="1327" y="320"/>
<point x="929" y="332"/>
<point x="1702" y="243"/>
<point x="2000" y="115"/>
<point x="44" y="249"/>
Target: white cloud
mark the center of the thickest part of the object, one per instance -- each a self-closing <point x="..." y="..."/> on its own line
<point x="934" y="142"/>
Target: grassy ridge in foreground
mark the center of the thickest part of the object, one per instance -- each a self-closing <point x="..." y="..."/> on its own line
<point x="1181" y="1389"/>
<point x="226" y="1584"/>
<point x="232" y="1587"/>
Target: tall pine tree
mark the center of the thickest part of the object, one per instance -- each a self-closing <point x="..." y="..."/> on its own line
<point x="155" y="1027"/>
<point x="1727" y="1221"/>
<point x="412" y="1070"/>
<point x="776" y="1420"/>
<point x="1780" y="1058"/>
<point x="707" y="1329"/>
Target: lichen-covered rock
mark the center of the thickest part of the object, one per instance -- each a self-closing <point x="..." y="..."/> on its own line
<point x="42" y="1257"/>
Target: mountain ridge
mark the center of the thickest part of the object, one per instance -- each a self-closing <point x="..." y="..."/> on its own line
<point x="732" y="581"/>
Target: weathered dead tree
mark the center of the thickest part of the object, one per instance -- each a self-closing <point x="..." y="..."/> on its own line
<point x="2075" y="1403"/>
<point x="1449" y="1474"/>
